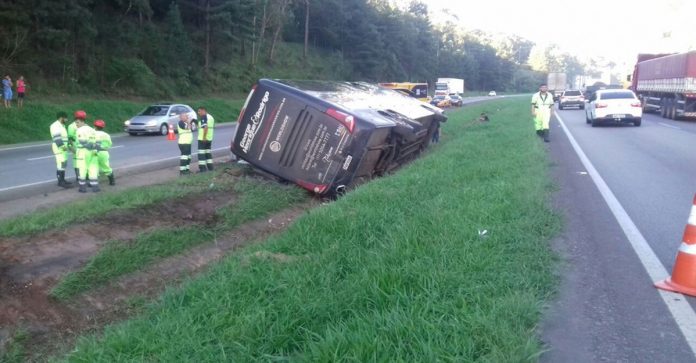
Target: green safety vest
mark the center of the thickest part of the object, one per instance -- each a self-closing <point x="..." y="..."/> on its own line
<point x="542" y="103"/>
<point x="102" y="140"/>
<point x="72" y="132"/>
<point x="59" y="134"/>
<point x="210" y="124"/>
<point x="185" y="135"/>
<point x="85" y="138"/>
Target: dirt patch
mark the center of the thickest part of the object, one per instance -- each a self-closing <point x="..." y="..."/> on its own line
<point x="31" y="266"/>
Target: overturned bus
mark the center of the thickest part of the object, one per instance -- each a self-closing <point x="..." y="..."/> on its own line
<point x="326" y="136"/>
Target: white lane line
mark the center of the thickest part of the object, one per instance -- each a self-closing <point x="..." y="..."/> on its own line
<point x="668" y="125"/>
<point x="117" y="169"/>
<point x="24" y="147"/>
<point x="681" y="311"/>
<point x="50" y="156"/>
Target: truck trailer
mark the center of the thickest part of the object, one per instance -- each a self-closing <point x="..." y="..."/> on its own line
<point x="666" y="83"/>
<point x="328" y="136"/>
<point x="556" y="82"/>
<point x="447" y="86"/>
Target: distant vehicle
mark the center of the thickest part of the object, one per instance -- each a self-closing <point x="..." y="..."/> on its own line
<point x="441" y="101"/>
<point x="614" y="106"/>
<point x="556" y="82"/>
<point x="492" y="93"/>
<point x="571" y="97"/>
<point x="665" y="83"/>
<point x="155" y="119"/>
<point x="449" y="85"/>
<point x="415" y="90"/>
<point x="327" y="136"/>
<point x="456" y="100"/>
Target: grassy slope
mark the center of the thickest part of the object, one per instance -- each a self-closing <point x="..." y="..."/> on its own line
<point x="396" y="270"/>
<point x="32" y="122"/>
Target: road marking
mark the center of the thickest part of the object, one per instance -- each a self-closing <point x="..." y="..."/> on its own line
<point x="51" y="156"/>
<point x="23" y="147"/>
<point x="668" y="125"/>
<point x="116" y="169"/>
<point x="677" y="304"/>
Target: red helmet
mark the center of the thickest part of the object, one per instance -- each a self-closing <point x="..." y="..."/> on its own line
<point x="79" y="114"/>
<point x="99" y="123"/>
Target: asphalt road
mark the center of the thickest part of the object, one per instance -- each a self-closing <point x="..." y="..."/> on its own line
<point x="608" y="309"/>
<point x="31" y="168"/>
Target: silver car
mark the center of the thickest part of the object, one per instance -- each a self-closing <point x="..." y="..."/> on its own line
<point x="155" y="119"/>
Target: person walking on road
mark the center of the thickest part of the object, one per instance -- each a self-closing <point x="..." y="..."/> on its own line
<point x="185" y="140"/>
<point x="85" y="149"/>
<point x="103" y="143"/>
<point x="7" y="91"/>
<point x="542" y="110"/>
<point x="60" y="147"/>
<point x="206" y="127"/>
<point x="21" y="89"/>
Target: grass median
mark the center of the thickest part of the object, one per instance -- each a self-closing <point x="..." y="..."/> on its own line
<point x="449" y="259"/>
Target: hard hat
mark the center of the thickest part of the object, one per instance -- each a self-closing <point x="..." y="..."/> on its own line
<point x="99" y="123"/>
<point x="79" y="114"/>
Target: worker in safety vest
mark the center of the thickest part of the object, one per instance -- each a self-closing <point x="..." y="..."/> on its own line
<point x="206" y="126"/>
<point x="72" y="131"/>
<point x="59" y="135"/>
<point x="102" y="142"/>
<point x="185" y="140"/>
<point x="86" y="149"/>
<point x="542" y="110"/>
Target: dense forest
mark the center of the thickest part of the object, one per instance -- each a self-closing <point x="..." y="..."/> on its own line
<point x="178" y="47"/>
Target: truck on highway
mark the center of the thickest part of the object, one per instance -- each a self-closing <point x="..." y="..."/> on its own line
<point x="417" y="90"/>
<point x="447" y="86"/>
<point x="666" y="83"/>
<point x="556" y="82"/>
<point x="327" y="136"/>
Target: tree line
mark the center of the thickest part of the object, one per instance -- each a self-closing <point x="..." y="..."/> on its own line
<point x="165" y="47"/>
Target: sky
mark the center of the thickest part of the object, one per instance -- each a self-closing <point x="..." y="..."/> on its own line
<point x="616" y="30"/>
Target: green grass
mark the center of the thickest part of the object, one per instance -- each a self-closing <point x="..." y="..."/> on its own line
<point x="98" y="205"/>
<point x="256" y="199"/>
<point x="397" y="270"/>
<point x="32" y="122"/>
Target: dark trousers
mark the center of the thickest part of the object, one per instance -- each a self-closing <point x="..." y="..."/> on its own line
<point x="205" y="155"/>
<point x="185" y="158"/>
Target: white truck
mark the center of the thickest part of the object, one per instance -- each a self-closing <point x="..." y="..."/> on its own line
<point x="446" y="86"/>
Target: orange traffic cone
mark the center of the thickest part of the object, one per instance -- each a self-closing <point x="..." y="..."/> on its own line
<point x="683" y="278"/>
<point x="170" y="134"/>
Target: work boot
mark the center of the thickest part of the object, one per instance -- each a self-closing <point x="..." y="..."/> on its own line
<point x="58" y="177"/>
<point x="202" y="168"/>
<point x="83" y="187"/>
<point x="210" y="166"/>
<point x="61" y="180"/>
<point x="111" y="179"/>
<point x="546" y="135"/>
<point x="185" y="172"/>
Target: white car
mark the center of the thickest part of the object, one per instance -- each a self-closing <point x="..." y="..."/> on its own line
<point x="614" y="106"/>
<point x="155" y="119"/>
<point x="492" y="93"/>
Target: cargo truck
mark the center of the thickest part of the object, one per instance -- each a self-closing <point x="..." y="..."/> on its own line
<point x="447" y="86"/>
<point x="556" y="82"/>
<point x="666" y="83"/>
<point x="327" y="136"/>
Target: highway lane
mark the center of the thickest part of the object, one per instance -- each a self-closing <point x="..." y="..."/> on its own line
<point x="608" y="309"/>
<point x="33" y="165"/>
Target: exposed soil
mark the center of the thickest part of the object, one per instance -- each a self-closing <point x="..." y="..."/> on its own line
<point x="31" y="266"/>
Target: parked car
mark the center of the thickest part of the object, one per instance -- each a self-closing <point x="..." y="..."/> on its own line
<point x="492" y="93"/>
<point x="440" y="101"/>
<point x="456" y="100"/>
<point x="155" y="119"/>
<point x="614" y="106"/>
<point x="571" y="97"/>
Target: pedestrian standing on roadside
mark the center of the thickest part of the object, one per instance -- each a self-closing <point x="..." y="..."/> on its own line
<point x="21" y="88"/>
<point x="436" y="133"/>
<point x="59" y="135"/>
<point x="72" y="140"/>
<point x="7" y="91"/>
<point x="185" y="140"/>
<point x="542" y="110"/>
<point x="85" y="145"/>
<point x="206" y="127"/>
<point x="103" y="143"/>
